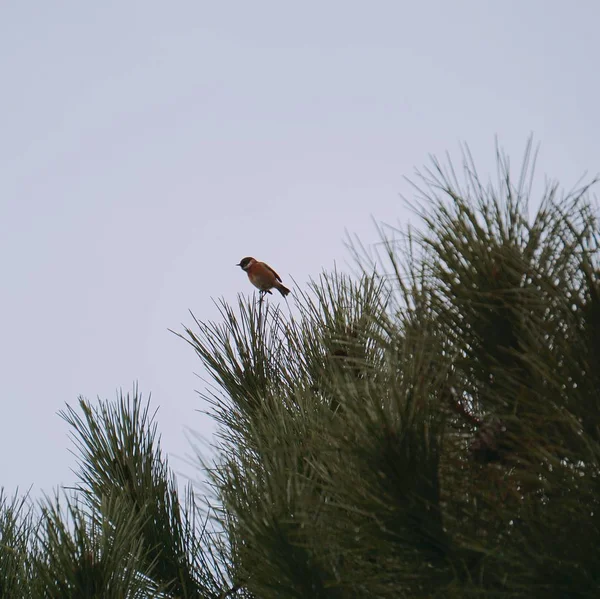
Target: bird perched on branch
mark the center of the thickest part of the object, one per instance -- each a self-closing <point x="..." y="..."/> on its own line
<point x="262" y="276"/>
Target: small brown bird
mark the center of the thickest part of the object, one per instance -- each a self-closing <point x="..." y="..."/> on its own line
<point x="261" y="275"/>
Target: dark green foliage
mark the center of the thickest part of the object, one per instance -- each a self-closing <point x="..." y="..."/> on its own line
<point x="96" y="554"/>
<point x="15" y="526"/>
<point x="431" y="429"/>
<point x="121" y="458"/>
<point x="123" y="533"/>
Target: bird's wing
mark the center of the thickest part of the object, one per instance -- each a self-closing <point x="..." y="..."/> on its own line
<point x="276" y="275"/>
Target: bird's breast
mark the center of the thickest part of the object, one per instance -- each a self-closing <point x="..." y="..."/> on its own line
<point x="261" y="277"/>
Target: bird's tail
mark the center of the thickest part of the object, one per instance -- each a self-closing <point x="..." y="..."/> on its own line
<point x="282" y="289"/>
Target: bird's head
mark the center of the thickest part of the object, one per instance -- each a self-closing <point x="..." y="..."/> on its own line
<point x="246" y="263"/>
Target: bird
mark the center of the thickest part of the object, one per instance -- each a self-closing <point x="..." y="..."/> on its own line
<point x="261" y="275"/>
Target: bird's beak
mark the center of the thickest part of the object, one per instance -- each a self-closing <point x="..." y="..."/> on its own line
<point x="238" y="264"/>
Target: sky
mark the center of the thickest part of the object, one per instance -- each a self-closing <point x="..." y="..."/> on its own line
<point x="145" y="147"/>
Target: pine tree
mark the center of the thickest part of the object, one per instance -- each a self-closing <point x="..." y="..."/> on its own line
<point x="123" y="532"/>
<point x="431" y="430"/>
<point x="428" y="429"/>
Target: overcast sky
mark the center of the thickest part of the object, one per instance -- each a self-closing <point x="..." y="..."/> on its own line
<point x="145" y="147"/>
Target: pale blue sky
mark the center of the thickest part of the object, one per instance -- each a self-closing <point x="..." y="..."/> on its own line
<point x="145" y="147"/>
